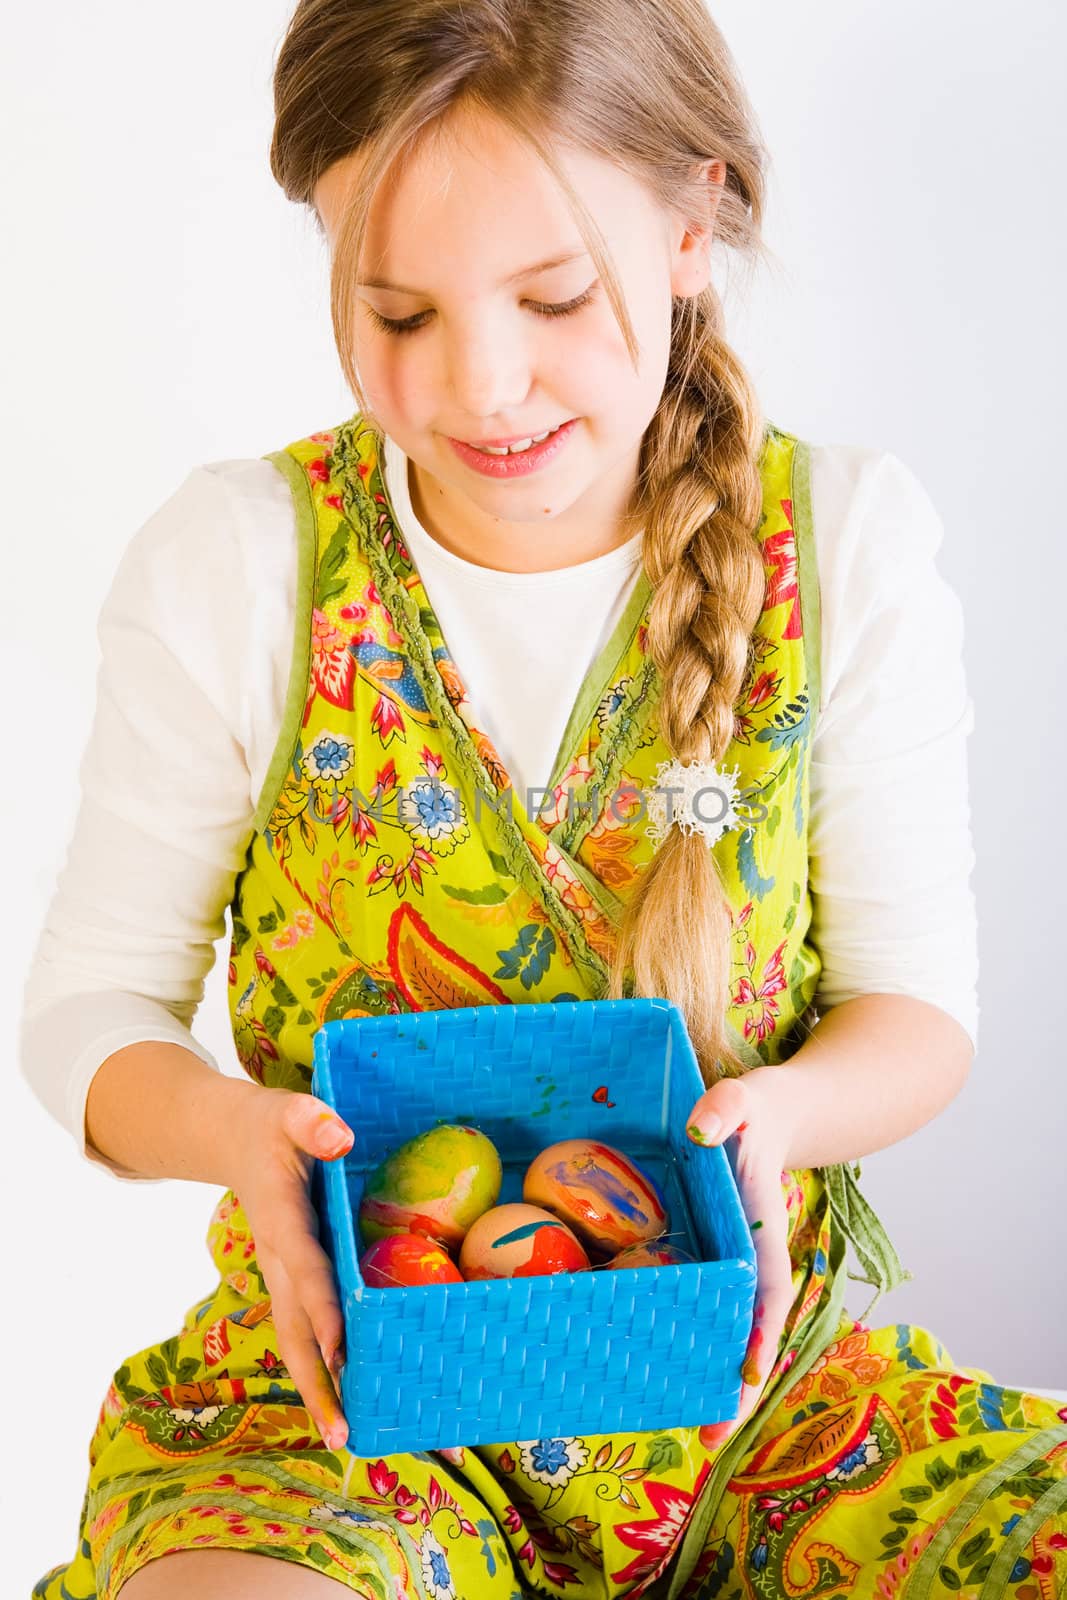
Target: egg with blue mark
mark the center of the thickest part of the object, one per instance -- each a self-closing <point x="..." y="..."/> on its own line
<point x="603" y="1194"/>
<point x="519" y="1241"/>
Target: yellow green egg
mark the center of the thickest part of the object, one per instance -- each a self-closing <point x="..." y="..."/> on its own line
<point x="437" y="1184"/>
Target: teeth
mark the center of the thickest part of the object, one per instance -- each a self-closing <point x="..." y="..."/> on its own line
<point x="514" y="449"/>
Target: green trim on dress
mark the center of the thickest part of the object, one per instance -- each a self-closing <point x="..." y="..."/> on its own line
<point x="817" y="1336"/>
<point x="808" y="574"/>
<point x="1036" y="1446"/>
<point x="300" y="661"/>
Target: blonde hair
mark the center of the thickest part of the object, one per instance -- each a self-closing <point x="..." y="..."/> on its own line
<point x="649" y="85"/>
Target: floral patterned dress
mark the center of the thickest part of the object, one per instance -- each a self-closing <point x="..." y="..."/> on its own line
<point x="392" y="867"/>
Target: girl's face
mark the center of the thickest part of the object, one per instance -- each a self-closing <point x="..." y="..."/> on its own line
<point x="501" y="346"/>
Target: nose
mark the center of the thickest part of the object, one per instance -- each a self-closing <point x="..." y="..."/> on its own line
<point x="488" y="370"/>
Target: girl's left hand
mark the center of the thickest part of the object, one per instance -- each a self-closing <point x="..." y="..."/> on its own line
<point x="744" y="1108"/>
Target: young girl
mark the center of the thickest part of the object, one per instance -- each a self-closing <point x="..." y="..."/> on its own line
<point x="407" y="696"/>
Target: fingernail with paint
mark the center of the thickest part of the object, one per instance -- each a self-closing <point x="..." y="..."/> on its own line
<point x="706" y="1133"/>
<point x="335" y="1136"/>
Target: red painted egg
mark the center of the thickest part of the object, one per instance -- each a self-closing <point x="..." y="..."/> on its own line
<point x="602" y="1194"/>
<point x="650" y="1255"/>
<point x="519" y="1241"/>
<point x="407" y="1258"/>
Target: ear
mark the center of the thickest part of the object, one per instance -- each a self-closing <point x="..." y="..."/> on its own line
<point x="691" y="239"/>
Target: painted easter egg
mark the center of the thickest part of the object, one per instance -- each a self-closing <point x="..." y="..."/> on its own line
<point x="407" y="1258"/>
<point x="519" y="1241"/>
<point x="436" y="1184"/>
<point x="650" y="1255"/>
<point x="602" y="1194"/>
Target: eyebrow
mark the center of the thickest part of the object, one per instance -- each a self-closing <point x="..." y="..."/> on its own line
<point x="514" y="277"/>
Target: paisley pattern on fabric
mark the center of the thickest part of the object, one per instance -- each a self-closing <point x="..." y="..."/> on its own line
<point x="392" y="867"/>
<point x="882" y="1454"/>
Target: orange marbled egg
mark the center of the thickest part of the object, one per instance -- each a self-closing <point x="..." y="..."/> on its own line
<point x="597" y="1190"/>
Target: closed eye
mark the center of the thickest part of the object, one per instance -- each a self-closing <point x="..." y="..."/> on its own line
<point x="413" y="324"/>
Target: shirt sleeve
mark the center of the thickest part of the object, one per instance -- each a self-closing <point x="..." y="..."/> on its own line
<point x="165" y="811"/>
<point x="890" y="841"/>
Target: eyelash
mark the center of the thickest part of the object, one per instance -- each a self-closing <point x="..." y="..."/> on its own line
<point x="413" y="324"/>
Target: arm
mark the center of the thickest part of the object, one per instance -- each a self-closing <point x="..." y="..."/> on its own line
<point x="889" y="850"/>
<point x="158" y="1111"/>
<point x="890" y="847"/>
<point x="875" y="1069"/>
<point x="192" y="669"/>
<point x="160" y="837"/>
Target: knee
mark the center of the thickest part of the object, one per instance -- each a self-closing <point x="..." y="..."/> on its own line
<point x="230" y="1575"/>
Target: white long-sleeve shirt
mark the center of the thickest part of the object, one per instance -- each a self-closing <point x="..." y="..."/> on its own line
<point x="196" y="639"/>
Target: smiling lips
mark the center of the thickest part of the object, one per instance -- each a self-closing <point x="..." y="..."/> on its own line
<point x="515" y="461"/>
<point x="518" y="443"/>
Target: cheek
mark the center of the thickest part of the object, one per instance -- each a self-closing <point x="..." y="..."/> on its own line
<point x="631" y="388"/>
<point x="593" y="376"/>
<point x="394" y="379"/>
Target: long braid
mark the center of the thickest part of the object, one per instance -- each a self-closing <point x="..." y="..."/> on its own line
<point x="700" y="551"/>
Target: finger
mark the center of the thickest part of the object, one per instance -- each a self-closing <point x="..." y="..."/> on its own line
<point x="300" y="1350"/>
<point x="719" y="1112"/>
<point x="292" y="1239"/>
<point x="717" y="1433"/>
<point x="774" y="1278"/>
<point x="764" y="1342"/>
<point x="314" y="1128"/>
<point x="768" y="1324"/>
<point x="759" y="1183"/>
<point x="714" y="1434"/>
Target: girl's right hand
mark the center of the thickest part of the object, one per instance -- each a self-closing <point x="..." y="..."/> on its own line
<point x="283" y="1133"/>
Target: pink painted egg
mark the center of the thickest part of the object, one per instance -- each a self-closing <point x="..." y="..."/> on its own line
<point x="650" y="1255"/>
<point x="436" y="1184"/>
<point x="407" y="1258"/>
<point x="607" y="1199"/>
<point x="519" y="1241"/>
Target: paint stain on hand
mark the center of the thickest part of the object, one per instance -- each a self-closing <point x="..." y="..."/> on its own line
<point x="750" y="1372"/>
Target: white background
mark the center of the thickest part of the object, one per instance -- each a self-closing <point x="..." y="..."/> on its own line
<point x="164" y="305"/>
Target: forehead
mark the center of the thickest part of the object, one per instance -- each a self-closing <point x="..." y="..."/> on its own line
<point x="475" y="188"/>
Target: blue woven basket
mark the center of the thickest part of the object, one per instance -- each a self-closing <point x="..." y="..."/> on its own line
<point x="633" y="1350"/>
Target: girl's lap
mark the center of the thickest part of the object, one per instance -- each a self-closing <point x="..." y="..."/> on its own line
<point x="858" y="1464"/>
<point x="871" y="1467"/>
<point x="578" y="1516"/>
<point x="881" y="1458"/>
